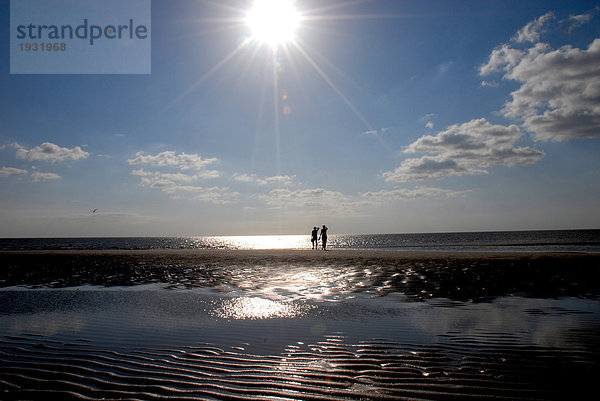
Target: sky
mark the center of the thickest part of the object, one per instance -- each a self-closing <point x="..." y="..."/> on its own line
<point x="383" y="116"/>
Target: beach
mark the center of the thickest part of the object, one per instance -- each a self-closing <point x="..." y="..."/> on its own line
<point x="312" y="200"/>
<point x="298" y="324"/>
<point x="416" y="274"/>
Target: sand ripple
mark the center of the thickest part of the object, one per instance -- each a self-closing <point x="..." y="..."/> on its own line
<point x="298" y="325"/>
<point x="32" y="367"/>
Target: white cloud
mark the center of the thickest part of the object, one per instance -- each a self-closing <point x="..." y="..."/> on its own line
<point x="410" y="194"/>
<point x="245" y="177"/>
<point x="463" y="139"/>
<point x="443" y="68"/>
<point x="502" y="58"/>
<point x="50" y="152"/>
<point x="8" y="171"/>
<point x="490" y="84"/>
<point x="182" y="184"/>
<point x="334" y="202"/>
<point x="253" y="178"/>
<point x="376" y="131"/>
<point x="429" y="168"/>
<point x="157" y="176"/>
<point x="13" y="145"/>
<point x="428" y="120"/>
<point x="304" y="198"/>
<point x="38" y="176"/>
<point x="281" y="179"/>
<point x="464" y="149"/>
<point x="216" y="195"/>
<point x="181" y="161"/>
<point x="533" y="30"/>
<point x="559" y="96"/>
<point x="575" y="21"/>
<point x="178" y="177"/>
<point x="179" y="186"/>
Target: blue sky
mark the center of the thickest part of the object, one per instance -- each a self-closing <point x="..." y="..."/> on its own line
<point x="380" y="117"/>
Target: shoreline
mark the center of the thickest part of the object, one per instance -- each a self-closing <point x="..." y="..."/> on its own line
<point x="297" y="252"/>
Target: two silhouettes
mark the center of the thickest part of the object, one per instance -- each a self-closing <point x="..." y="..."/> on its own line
<point x="322" y="237"/>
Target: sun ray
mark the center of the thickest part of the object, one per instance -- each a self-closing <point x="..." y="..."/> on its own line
<point x="230" y="20"/>
<point x="210" y="72"/>
<point x="337" y="6"/>
<point x="338" y="70"/>
<point x="214" y="30"/>
<point x="235" y="20"/>
<point x="276" y="113"/>
<point x="329" y="64"/>
<point x="222" y="6"/>
<point x="332" y="85"/>
<point x="343" y="17"/>
<point x="248" y="64"/>
<point x="291" y="65"/>
<point x="263" y="93"/>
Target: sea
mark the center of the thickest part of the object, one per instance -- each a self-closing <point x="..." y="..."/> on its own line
<point x="587" y="241"/>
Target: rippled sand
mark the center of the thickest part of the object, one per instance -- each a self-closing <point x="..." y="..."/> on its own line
<point x="298" y="325"/>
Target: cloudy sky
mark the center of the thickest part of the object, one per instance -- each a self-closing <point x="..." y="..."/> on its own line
<point x="378" y="116"/>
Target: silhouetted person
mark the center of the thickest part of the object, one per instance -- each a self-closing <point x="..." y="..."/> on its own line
<point x="313" y="237"/>
<point x="323" y="236"/>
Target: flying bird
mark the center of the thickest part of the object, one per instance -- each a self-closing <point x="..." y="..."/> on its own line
<point x="94" y="210"/>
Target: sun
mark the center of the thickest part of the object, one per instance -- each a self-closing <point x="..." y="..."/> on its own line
<point x="273" y="21"/>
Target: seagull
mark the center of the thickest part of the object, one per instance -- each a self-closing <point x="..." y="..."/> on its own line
<point x="93" y="211"/>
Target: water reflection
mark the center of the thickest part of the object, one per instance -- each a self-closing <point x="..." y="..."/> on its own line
<point x="511" y="348"/>
<point x="258" y="308"/>
<point x="297" y="282"/>
<point x="258" y="242"/>
<point x="313" y="275"/>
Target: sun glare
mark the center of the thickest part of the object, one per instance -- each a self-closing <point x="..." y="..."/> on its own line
<point x="273" y="21"/>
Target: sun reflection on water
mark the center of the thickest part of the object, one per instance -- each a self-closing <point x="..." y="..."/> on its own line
<point x="259" y="308"/>
<point x="299" y="283"/>
<point x="261" y="242"/>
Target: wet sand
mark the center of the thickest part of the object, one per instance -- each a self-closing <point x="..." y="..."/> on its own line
<point x="418" y="275"/>
<point x="298" y="324"/>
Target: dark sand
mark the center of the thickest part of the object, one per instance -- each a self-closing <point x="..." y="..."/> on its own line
<point x="298" y="324"/>
<point x="418" y="275"/>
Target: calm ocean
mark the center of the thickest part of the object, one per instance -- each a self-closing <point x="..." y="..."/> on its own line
<point x="514" y="241"/>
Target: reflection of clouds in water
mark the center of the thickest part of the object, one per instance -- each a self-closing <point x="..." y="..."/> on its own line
<point x="46" y="324"/>
<point x="510" y="320"/>
<point x="185" y="314"/>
